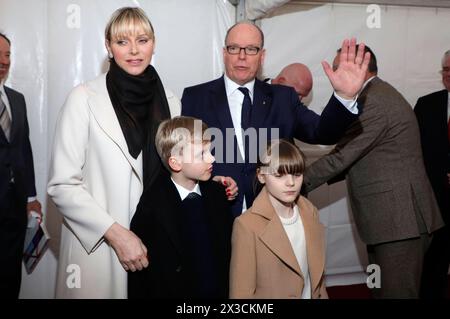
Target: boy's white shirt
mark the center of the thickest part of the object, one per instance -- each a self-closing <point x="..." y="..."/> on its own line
<point x="184" y="192"/>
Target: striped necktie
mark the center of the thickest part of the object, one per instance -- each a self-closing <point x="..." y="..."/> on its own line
<point x="5" y="120"/>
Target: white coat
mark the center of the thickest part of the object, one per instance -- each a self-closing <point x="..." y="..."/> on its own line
<point x="94" y="182"/>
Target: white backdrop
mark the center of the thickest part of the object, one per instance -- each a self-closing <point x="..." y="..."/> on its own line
<point x="57" y="44"/>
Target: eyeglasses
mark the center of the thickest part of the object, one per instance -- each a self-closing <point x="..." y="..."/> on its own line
<point x="445" y="69"/>
<point x="234" y="50"/>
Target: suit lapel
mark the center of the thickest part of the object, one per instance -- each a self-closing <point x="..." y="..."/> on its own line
<point x="314" y="244"/>
<point x="219" y="102"/>
<point x="15" y="117"/>
<point x="168" y="215"/>
<point x="273" y="235"/>
<point x="262" y="103"/>
<point x="443" y="108"/>
<point x="103" y="111"/>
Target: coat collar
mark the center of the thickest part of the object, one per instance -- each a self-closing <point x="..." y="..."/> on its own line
<point x="103" y="111"/>
<point x="275" y="237"/>
<point x="169" y="215"/>
<point x="219" y="103"/>
<point x="262" y="102"/>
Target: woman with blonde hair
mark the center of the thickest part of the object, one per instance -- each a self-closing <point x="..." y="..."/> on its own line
<point x="103" y="157"/>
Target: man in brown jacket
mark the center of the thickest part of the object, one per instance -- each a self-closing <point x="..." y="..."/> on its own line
<point x="394" y="207"/>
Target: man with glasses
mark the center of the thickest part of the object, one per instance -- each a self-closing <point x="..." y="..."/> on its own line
<point x="433" y="113"/>
<point x="16" y="179"/>
<point x="239" y="102"/>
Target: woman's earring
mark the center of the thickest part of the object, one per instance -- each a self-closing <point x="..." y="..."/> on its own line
<point x="110" y="55"/>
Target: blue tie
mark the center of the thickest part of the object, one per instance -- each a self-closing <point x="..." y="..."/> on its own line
<point x="246" y="108"/>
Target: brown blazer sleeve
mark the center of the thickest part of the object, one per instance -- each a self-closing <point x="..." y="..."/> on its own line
<point x="359" y="139"/>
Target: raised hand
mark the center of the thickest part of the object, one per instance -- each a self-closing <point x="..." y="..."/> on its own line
<point x="348" y="79"/>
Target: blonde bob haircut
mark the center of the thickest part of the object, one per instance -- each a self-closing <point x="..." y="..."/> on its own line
<point x="176" y="133"/>
<point x="128" y="21"/>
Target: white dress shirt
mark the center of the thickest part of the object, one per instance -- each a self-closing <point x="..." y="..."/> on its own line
<point x="184" y="192"/>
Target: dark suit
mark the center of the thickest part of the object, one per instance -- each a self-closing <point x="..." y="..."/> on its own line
<point x="431" y="112"/>
<point x="390" y="195"/>
<point x="274" y="107"/>
<point x="157" y="222"/>
<point x="16" y="184"/>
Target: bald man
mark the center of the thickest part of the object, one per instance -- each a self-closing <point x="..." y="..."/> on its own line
<point x="297" y="76"/>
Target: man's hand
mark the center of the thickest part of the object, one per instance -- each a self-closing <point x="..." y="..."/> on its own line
<point x="34" y="206"/>
<point x="129" y="248"/>
<point x="349" y="77"/>
<point x="230" y="185"/>
<point x="448" y="176"/>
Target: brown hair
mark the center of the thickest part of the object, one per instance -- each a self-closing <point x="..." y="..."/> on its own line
<point x="281" y="157"/>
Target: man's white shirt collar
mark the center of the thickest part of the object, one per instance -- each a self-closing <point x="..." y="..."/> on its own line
<point x="231" y="86"/>
<point x="184" y="192"/>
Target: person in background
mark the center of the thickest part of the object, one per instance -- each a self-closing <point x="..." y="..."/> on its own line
<point x="297" y="76"/>
<point x="392" y="201"/>
<point x="17" y="184"/>
<point x="278" y="244"/>
<point x="433" y="113"/>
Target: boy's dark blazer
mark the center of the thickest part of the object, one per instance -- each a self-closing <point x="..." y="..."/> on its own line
<point x="155" y="223"/>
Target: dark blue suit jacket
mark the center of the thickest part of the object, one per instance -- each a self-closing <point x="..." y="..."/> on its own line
<point x="274" y="107"/>
<point x="431" y="112"/>
<point x="16" y="155"/>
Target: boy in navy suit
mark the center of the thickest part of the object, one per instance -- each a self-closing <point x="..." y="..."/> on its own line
<point x="184" y="219"/>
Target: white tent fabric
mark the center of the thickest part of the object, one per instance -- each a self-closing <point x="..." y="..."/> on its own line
<point x="257" y="9"/>
<point x="58" y="44"/>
